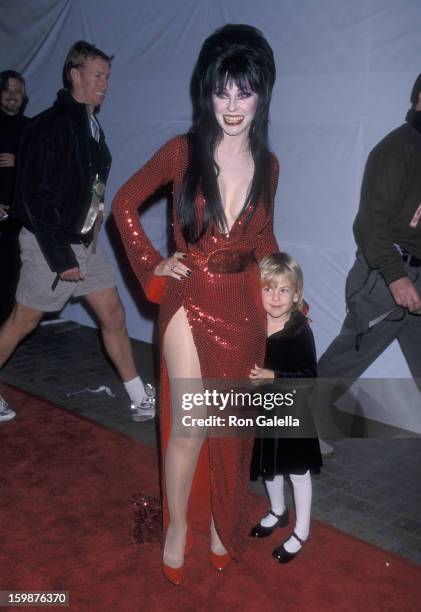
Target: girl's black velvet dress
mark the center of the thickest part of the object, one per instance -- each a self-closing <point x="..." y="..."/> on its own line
<point x="290" y="353"/>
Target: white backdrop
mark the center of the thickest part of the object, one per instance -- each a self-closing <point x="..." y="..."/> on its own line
<point x="345" y="71"/>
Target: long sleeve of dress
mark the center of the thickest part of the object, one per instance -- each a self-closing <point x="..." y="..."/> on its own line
<point x="266" y="242"/>
<point x="157" y="172"/>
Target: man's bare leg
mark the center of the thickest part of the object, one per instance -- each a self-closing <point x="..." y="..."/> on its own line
<point x="19" y="324"/>
<point x="109" y="310"/>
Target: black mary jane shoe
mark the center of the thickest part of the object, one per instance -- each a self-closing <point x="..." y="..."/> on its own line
<point x="258" y="531"/>
<point x="282" y="555"/>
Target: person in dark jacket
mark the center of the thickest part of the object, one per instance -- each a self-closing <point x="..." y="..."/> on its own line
<point x="290" y="354"/>
<point x="383" y="288"/>
<point x="13" y="100"/>
<point x="62" y="171"/>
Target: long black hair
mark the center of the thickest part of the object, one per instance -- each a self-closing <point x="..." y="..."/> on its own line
<point x="239" y="54"/>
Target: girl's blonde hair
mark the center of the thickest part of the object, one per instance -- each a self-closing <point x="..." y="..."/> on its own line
<point x="276" y="264"/>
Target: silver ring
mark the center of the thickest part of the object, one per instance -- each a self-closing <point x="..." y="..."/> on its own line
<point x="172" y="267"/>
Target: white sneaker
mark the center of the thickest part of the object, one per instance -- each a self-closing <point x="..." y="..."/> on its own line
<point x="6" y="413"/>
<point x="146" y="410"/>
<point x="150" y="391"/>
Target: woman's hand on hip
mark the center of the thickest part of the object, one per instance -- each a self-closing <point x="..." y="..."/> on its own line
<point x="173" y="266"/>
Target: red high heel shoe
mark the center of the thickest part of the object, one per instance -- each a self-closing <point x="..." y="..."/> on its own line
<point x="220" y="562"/>
<point x="176" y="575"/>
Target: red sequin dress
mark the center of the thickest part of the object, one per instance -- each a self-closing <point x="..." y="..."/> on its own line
<point x="222" y="302"/>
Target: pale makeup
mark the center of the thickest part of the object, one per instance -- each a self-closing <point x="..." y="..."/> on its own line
<point x="235" y="109"/>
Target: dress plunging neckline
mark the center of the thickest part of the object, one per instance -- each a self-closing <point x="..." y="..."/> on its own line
<point x="240" y="214"/>
<point x="238" y="217"/>
<point x="229" y="232"/>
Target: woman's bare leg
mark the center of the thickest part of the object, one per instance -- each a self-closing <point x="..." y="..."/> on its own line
<point x="216" y="545"/>
<point x="182" y="453"/>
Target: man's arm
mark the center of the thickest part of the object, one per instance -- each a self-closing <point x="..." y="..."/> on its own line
<point x="42" y="165"/>
<point x="384" y="183"/>
<point x="381" y="193"/>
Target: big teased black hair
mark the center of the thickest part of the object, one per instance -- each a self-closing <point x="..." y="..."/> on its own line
<point x="241" y="54"/>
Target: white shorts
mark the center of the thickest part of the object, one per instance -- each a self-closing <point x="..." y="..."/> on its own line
<point x="34" y="288"/>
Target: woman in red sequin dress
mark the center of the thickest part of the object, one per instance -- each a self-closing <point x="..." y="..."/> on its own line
<point x="211" y="324"/>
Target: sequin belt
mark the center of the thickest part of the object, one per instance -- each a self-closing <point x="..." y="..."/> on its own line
<point x="223" y="261"/>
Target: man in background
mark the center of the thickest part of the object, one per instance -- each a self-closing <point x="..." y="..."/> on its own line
<point x="383" y="288"/>
<point x="63" y="167"/>
<point x="13" y="100"/>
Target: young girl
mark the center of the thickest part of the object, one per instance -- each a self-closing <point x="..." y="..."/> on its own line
<point x="290" y="353"/>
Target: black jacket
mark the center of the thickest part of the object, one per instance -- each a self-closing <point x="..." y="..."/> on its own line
<point x="390" y="196"/>
<point x="58" y="161"/>
<point x="11" y="129"/>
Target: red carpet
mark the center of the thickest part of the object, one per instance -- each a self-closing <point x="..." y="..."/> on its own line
<point x="66" y="518"/>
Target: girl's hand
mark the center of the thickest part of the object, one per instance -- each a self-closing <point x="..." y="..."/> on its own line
<point x="259" y="376"/>
<point x="173" y="266"/>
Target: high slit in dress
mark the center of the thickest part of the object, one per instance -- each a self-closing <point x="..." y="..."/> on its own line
<point x="222" y="302"/>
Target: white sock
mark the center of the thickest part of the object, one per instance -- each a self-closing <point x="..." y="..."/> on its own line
<point x="301" y="484"/>
<point x="275" y="489"/>
<point x="135" y="390"/>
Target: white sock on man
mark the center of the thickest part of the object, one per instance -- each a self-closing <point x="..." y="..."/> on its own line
<point x="135" y="390"/>
<point x="275" y="489"/>
<point x="301" y="484"/>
